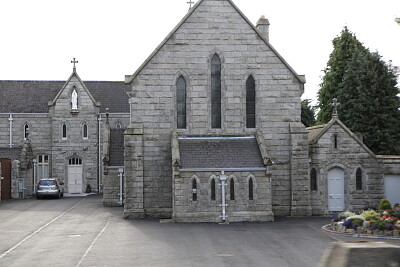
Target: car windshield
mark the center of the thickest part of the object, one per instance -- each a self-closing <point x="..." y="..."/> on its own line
<point x="47" y="182"/>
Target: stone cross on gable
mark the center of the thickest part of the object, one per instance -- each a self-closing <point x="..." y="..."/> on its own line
<point x="190" y="4"/>
<point x="74" y="61"/>
<point x="335" y="104"/>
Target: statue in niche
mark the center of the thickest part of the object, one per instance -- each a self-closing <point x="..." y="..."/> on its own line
<point x="74" y="100"/>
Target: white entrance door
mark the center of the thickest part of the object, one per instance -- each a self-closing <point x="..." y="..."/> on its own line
<point x="336" y="189"/>
<point x="392" y="188"/>
<point x="75" y="175"/>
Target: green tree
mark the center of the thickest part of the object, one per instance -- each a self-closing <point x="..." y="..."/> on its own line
<point x="365" y="86"/>
<point x="307" y="113"/>
<point x="369" y="102"/>
<point x="344" y="47"/>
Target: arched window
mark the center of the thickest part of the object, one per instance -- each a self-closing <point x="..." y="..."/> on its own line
<point x="232" y="189"/>
<point x="313" y="180"/>
<point x="359" y="179"/>
<point x="85" y="131"/>
<point x="213" y="189"/>
<point x="194" y="190"/>
<point x="250" y="103"/>
<point x="251" y="189"/>
<point x="181" y="103"/>
<point x="216" y="92"/>
<point x="64" y="131"/>
<point x="118" y="125"/>
<point x="26" y="131"/>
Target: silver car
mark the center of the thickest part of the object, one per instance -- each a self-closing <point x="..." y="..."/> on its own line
<point x="50" y="187"/>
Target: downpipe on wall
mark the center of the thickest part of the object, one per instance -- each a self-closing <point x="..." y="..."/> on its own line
<point x="222" y="179"/>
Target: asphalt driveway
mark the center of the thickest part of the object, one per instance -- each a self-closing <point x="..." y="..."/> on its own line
<point x="81" y="232"/>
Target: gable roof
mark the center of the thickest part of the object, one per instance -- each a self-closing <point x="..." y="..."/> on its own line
<point x="214" y="152"/>
<point x="74" y="74"/>
<point x="316" y="132"/>
<point x="130" y="78"/>
<point x="34" y="96"/>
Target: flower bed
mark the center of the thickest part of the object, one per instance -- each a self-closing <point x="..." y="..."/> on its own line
<point x="384" y="222"/>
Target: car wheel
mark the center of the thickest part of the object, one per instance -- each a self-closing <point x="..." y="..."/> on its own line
<point x="37" y="197"/>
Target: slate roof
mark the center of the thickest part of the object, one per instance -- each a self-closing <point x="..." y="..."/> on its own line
<point x="34" y="96"/>
<point x="219" y="152"/>
<point x="314" y="131"/>
<point x="10" y="153"/>
<point x="116" y="147"/>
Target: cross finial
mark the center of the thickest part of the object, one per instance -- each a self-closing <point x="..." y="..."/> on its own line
<point x="190" y="4"/>
<point x="74" y="62"/>
<point x="335" y="104"/>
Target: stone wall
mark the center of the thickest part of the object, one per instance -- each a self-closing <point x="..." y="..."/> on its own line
<point x="75" y="145"/>
<point x="204" y="209"/>
<point x="111" y="188"/>
<point x="348" y="156"/>
<point x="215" y="27"/>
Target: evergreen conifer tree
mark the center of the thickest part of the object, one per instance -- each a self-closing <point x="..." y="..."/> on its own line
<point x="366" y="89"/>
<point x="344" y="47"/>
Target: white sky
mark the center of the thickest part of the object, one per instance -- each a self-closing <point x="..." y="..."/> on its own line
<point x="111" y="39"/>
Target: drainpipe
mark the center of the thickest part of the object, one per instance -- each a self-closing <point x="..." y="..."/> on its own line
<point x="120" y="171"/>
<point x="100" y="171"/>
<point x="222" y="178"/>
<point x="10" y="119"/>
<point x="34" y="176"/>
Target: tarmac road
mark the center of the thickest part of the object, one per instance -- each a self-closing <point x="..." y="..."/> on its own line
<point x="81" y="232"/>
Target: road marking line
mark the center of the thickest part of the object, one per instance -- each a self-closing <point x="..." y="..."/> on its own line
<point x="91" y="245"/>
<point x="36" y="232"/>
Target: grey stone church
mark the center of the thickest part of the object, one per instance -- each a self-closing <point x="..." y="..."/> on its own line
<point x="208" y="129"/>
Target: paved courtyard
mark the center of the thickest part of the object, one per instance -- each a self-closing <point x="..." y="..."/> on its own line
<point x="79" y="231"/>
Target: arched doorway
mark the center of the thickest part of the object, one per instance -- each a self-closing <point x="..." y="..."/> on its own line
<point x="336" y="189"/>
<point x="6" y="181"/>
<point x="75" y="175"/>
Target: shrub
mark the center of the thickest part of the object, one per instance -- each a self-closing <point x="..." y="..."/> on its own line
<point x="346" y="214"/>
<point x="381" y="225"/>
<point x="385" y="205"/>
<point x="335" y="217"/>
<point x="347" y="223"/>
<point x="389" y="226"/>
<point x="370" y="215"/>
<point x="396" y="205"/>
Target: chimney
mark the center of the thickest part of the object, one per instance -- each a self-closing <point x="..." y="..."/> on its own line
<point x="263" y="27"/>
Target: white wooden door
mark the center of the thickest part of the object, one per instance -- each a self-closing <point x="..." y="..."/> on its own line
<point x="392" y="188"/>
<point x="75" y="179"/>
<point x="336" y="189"/>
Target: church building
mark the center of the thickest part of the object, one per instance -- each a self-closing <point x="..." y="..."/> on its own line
<point x="208" y="129"/>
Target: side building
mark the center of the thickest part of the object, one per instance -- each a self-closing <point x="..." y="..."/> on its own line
<point x="55" y="129"/>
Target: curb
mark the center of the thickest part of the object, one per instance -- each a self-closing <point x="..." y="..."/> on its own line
<point x="325" y="228"/>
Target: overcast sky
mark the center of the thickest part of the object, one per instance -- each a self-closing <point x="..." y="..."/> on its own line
<point x="111" y="39"/>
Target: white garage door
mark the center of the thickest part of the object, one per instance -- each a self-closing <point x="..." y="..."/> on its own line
<point x="392" y="188"/>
